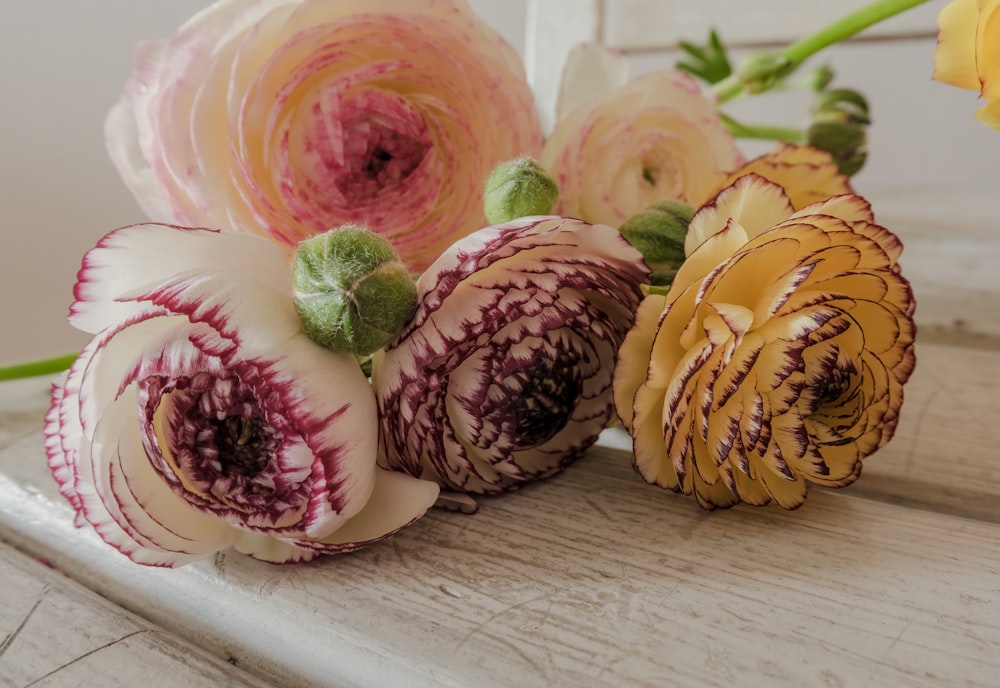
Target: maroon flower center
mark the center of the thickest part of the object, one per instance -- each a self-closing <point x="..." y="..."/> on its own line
<point x="220" y="436"/>
<point x="226" y="451"/>
<point x="242" y="442"/>
<point x="550" y="391"/>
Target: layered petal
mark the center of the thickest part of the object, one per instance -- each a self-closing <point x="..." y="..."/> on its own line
<point x="504" y="375"/>
<point x="290" y="118"/>
<point x="655" y="138"/>
<point x="203" y="418"/>
<point x="778" y="356"/>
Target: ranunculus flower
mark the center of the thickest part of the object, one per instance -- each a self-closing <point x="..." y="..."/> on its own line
<point x="968" y="52"/>
<point x="655" y="138"/>
<point x="504" y="375"/>
<point x="201" y="417"/>
<point x="807" y="175"/>
<point x="778" y="356"/>
<point x="291" y="117"/>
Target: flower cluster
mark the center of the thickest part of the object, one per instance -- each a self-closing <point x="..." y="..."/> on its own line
<point x="350" y="344"/>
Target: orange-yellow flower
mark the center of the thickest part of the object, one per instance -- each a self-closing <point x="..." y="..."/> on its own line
<point x="808" y="175"/>
<point x="968" y="52"/>
<point x="778" y="356"/>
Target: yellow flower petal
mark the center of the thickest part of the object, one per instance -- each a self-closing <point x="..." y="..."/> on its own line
<point x="955" y="57"/>
<point x="778" y="362"/>
<point x="752" y="201"/>
<point x="988" y="48"/>
<point x="806" y="174"/>
<point x="990" y="113"/>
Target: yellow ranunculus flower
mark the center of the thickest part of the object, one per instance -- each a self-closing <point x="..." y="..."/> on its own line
<point x="778" y="356"/>
<point x="807" y="174"/>
<point x="968" y="52"/>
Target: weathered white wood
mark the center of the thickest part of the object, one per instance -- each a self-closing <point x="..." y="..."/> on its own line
<point x="57" y="634"/>
<point x="553" y="28"/>
<point x="658" y="24"/>
<point x="595" y="578"/>
<point x="951" y="256"/>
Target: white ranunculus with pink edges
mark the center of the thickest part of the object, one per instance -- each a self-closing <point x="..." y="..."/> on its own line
<point x="618" y="147"/>
<point x="201" y="417"/>
<point x="504" y="375"/>
<point x="291" y="117"/>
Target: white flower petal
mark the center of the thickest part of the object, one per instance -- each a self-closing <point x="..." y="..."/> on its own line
<point x="592" y="72"/>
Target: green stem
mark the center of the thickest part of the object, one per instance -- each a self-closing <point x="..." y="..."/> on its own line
<point x="763" y="131"/>
<point x="843" y="28"/>
<point x="44" y="366"/>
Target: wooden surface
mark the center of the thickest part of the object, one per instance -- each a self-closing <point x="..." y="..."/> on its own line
<point x="593" y="578"/>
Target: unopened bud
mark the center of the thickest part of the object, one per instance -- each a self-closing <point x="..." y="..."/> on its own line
<point x="351" y="291"/>
<point x="847" y="143"/>
<point x="820" y="77"/>
<point x="759" y="72"/>
<point x="519" y="188"/>
<point x="658" y="232"/>
<point x="841" y="105"/>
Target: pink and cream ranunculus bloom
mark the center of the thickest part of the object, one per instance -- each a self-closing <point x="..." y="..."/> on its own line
<point x="504" y="374"/>
<point x="778" y="356"/>
<point x="968" y="52"/>
<point x="655" y="138"/>
<point x="291" y="117"/>
<point x="201" y="417"/>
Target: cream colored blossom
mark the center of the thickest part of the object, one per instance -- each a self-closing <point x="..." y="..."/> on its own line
<point x="655" y="138"/>
<point x="778" y="356"/>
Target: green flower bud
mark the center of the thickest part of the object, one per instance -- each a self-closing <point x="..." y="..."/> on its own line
<point x="658" y="234"/>
<point x="351" y="291"/>
<point x="841" y="105"/>
<point x="759" y="72"/>
<point x="820" y="77"/>
<point x="846" y="142"/>
<point x="519" y="188"/>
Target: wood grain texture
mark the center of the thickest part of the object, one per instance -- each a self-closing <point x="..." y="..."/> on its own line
<point x="595" y="578"/>
<point x="56" y="634"/>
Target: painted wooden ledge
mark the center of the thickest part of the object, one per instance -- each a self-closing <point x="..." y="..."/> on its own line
<point x="54" y="633"/>
<point x="595" y="578"/>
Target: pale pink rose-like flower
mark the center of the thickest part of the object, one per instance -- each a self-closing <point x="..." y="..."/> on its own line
<point x="201" y="417"/>
<point x="624" y="147"/>
<point x="504" y="374"/>
<point x="292" y="117"/>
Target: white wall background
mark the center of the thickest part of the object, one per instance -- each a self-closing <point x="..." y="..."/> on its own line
<point x="63" y="63"/>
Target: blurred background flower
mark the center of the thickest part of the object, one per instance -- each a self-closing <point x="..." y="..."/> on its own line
<point x="627" y="145"/>
<point x="289" y="118"/>
<point x="967" y="54"/>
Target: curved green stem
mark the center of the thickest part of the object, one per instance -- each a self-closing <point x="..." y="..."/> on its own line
<point x="763" y="131"/>
<point x="843" y="28"/>
<point x="44" y="366"/>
